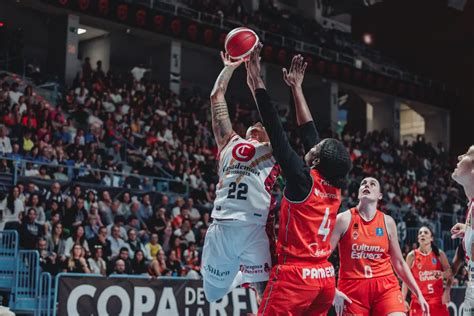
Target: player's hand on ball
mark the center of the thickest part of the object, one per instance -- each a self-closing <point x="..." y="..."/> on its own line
<point x="458" y="231"/>
<point x="228" y="62"/>
<point x="339" y="301"/>
<point x="253" y="64"/>
<point x="294" y="77"/>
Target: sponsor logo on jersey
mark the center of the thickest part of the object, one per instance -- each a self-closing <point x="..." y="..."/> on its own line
<point x="243" y="152"/>
<point x="325" y="195"/>
<point x="314" y="250"/>
<point x="379" y="231"/>
<point x="430" y="275"/>
<point x="241" y="169"/>
<point x="216" y="273"/>
<point x="254" y="269"/>
<point x="317" y="273"/>
<point x="363" y="251"/>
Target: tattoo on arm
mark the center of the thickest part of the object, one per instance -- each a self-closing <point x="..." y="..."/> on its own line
<point x="221" y="124"/>
<point x="223" y="80"/>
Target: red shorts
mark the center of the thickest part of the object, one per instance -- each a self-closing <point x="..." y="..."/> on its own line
<point x="297" y="289"/>
<point x="436" y="309"/>
<point x="377" y="296"/>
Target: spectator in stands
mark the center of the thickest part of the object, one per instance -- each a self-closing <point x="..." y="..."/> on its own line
<point x="125" y="204"/>
<point x="103" y="242"/>
<point x="78" y="238"/>
<point x="179" y="203"/>
<point x="5" y="143"/>
<point x="124" y="255"/>
<point x="191" y="256"/>
<point x="54" y="195"/>
<point x="119" y="221"/>
<point x="116" y="241"/>
<point x="34" y="202"/>
<point x="146" y="210"/>
<point x="78" y="216"/>
<point x="174" y="264"/>
<point x="56" y="242"/>
<point x="96" y="262"/>
<point x="120" y="267"/>
<point x="139" y="265"/>
<point x="15" y="207"/>
<point x="164" y="203"/>
<point x="158" y="223"/>
<point x="194" y="215"/>
<point x="158" y="265"/>
<point x="30" y="230"/>
<point x="152" y="248"/>
<point x="134" y="244"/>
<point x="48" y="259"/>
<point x="185" y="233"/>
<point x="55" y="219"/>
<point x="77" y="262"/>
<point x="92" y="227"/>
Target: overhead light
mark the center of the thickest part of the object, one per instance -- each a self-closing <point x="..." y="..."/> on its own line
<point x="368" y="38"/>
<point x="81" y="31"/>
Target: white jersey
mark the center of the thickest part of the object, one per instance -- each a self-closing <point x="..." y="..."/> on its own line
<point x="468" y="239"/>
<point x="247" y="172"/>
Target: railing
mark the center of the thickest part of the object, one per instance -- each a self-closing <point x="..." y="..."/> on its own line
<point x="386" y="69"/>
<point x="92" y="176"/>
<point x="9" y="242"/>
<point x="25" y="293"/>
<point x="45" y="305"/>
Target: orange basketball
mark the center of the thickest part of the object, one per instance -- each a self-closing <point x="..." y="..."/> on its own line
<point x="240" y="42"/>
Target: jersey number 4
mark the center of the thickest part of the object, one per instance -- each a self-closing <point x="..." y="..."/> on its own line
<point x="325" y="227"/>
<point x="238" y="191"/>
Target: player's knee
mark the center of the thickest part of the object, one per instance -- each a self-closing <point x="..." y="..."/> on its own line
<point x="213" y="293"/>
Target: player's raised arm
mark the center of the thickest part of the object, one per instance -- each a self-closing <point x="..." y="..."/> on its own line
<point x="294" y="79"/>
<point x="221" y="124"/>
<point x="291" y="164"/>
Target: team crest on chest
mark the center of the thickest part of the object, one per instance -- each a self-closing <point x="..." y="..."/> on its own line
<point x="243" y="152"/>
<point x="355" y="235"/>
<point x="379" y="231"/>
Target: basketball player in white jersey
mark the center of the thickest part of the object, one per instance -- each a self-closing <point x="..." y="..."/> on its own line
<point x="237" y="248"/>
<point x="464" y="175"/>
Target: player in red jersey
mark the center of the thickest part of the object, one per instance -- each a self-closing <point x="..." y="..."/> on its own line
<point x="303" y="281"/>
<point x="428" y="265"/>
<point x="368" y="249"/>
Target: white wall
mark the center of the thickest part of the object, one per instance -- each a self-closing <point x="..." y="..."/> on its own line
<point x="96" y="49"/>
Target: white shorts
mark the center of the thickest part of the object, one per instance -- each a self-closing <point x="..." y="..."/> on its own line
<point x="468" y="305"/>
<point x="234" y="253"/>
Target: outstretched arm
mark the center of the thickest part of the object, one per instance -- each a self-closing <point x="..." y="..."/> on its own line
<point x="296" y="173"/>
<point x="294" y="79"/>
<point x="221" y="124"/>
